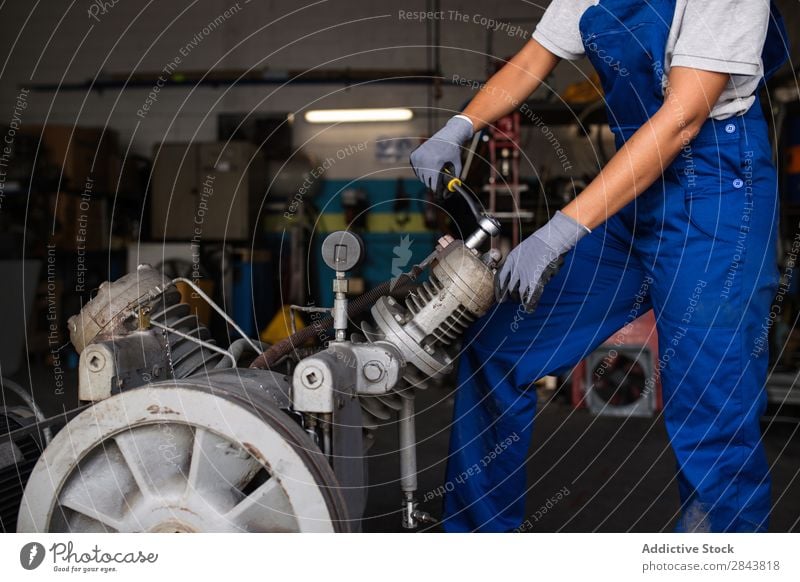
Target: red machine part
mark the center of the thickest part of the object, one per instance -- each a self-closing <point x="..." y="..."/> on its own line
<point x="638" y="335"/>
<point x="504" y="139"/>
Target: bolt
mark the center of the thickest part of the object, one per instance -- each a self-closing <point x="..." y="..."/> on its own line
<point x="373" y="371"/>
<point x="398" y="318"/>
<point x="311" y="377"/>
<point x="492" y="258"/>
<point x="97" y="361"/>
<point x="444" y="242"/>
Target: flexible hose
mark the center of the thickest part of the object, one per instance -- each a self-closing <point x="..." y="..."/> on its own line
<point x="241" y="346"/>
<point x="399" y="287"/>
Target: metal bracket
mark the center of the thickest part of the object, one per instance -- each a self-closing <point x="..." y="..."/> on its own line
<point x="108" y="367"/>
<point x="368" y="368"/>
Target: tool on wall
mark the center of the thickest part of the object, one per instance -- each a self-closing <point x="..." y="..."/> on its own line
<point x="504" y="178"/>
<point x="402" y="204"/>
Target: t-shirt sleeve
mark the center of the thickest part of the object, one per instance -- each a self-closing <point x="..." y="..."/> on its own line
<point x="558" y="30"/>
<point x="725" y="36"/>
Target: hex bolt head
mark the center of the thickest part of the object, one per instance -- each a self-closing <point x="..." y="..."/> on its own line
<point x="373" y="371"/>
<point x="444" y="242"/>
<point x="96" y="361"/>
<point x="311" y="377"/>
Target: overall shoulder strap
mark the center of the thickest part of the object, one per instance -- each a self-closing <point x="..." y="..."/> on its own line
<point x="776" y="46"/>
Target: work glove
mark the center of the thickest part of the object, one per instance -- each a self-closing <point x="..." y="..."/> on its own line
<point x="444" y="147"/>
<point x="535" y="260"/>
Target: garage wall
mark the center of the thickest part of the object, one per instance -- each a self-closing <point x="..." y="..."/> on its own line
<point x="90" y="42"/>
<point x="90" y="39"/>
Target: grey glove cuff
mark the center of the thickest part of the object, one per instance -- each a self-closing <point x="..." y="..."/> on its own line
<point x="461" y="128"/>
<point x="561" y="233"/>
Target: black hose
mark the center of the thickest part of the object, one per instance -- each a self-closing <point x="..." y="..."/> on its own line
<point x="399" y="287"/>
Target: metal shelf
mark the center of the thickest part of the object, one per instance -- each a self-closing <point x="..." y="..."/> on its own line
<point x="246" y="79"/>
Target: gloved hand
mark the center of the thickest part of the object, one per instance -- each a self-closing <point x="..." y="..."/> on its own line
<point x="535" y="260"/>
<point x="442" y="148"/>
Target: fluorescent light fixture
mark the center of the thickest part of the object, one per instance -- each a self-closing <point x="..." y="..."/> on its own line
<point x="358" y="115"/>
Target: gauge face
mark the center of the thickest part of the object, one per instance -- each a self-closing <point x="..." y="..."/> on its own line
<point x="342" y="250"/>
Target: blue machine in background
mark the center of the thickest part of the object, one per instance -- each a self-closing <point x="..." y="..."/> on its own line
<point x="390" y="219"/>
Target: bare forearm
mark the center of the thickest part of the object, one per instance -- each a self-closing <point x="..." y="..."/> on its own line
<point x="631" y="171"/>
<point x="647" y="154"/>
<point x="507" y="89"/>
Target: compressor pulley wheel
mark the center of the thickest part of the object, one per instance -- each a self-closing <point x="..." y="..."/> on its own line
<point x="182" y="457"/>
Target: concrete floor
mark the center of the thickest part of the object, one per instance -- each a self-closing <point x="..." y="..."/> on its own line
<point x="619" y="472"/>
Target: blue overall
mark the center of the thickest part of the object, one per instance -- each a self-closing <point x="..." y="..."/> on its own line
<point x="699" y="247"/>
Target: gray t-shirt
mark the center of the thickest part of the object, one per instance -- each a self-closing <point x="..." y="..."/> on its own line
<point x="725" y="36"/>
